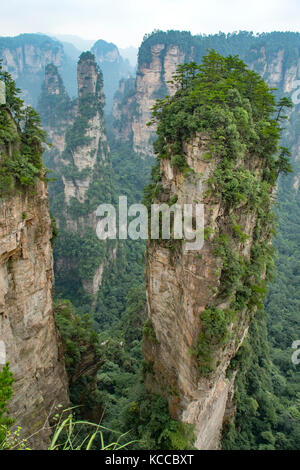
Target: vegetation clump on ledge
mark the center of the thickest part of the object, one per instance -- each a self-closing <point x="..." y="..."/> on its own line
<point x="21" y="141"/>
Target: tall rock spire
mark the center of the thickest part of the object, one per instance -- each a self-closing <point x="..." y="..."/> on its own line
<point x="84" y="181"/>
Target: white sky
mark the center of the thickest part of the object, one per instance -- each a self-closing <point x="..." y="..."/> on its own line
<point x="125" y="22"/>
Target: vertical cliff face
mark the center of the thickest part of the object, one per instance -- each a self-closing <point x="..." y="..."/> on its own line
<point x="132" y="110"/>
<point x="180" y="287"/>
<point x="201" y="302"/>
<point x="27" y="328"/>
<point x="151" y="84"/>
<point x="30" y="53"/>
<point x="123" y="109"/>
<point x="282" y="71"/>
<point x="27" y="325"/>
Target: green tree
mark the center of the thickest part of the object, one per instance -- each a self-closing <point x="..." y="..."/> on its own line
<point x="6" y="391"/>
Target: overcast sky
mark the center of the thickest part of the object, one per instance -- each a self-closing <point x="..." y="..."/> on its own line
<point x="125" y="22"/>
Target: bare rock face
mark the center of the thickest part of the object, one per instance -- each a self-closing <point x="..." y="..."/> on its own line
<point x="87" y="77"/>
<point x="29" y="57"/>
<point x="53" y="82"/>
<point x="151" y="83"/>
<point x="27" y="326"/>
<point x="123" y="109"/>
<point x="180" y="286"/>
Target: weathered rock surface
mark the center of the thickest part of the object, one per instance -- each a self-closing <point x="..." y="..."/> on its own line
<point x="151" y="83"/>
<point x="27" y="326"/>
<point x="180" y="286"/>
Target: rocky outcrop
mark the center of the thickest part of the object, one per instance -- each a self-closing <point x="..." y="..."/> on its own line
<point x="106" y="52"/>
<point x="113" y="66"/>
<point x="28" y="333"/>
<point x="180" y="286"/>
<point x="26" y="56"/>
<point x="86" y="156"/>
<point x="132" y="110"/>
<point x="80" y="159"/>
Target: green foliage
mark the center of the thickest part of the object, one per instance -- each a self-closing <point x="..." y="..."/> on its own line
<point x="222" y="98"/>
<point x="133" y="318"/>
<point x="148" y="418"/>
<point x="215" y="332"/>
<point x="265" y="416"/>
<point x="177" y="436"/>
<point x="77" y="333"/>
<point x="21" y="142"/>
<point x="237" y="128"/>
<point x="130" y="174"/>
<point x="238" y="233"/>
<point x="54" y="108"/>
<point x="179" y="162"/>
<point x="149" y="331"/>
<point x="54" y="229"/>
<point x="72" y="434"/>
<point x="83" y="357"/>
<point x="6" y="391"/>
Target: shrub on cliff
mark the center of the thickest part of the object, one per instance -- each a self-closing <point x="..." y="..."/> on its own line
<point x="21" y="141"/>
<point x="6" y="381"/>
